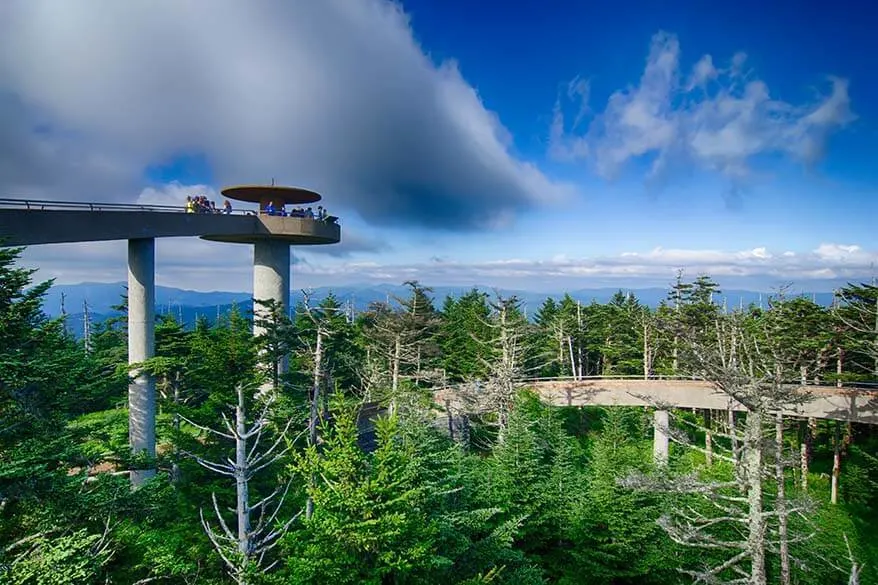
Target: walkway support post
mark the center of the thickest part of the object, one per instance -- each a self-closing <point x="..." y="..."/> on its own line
<point x="271" y="281"/>
<point x="660" y="422"/>
<point x="141" y="347"/>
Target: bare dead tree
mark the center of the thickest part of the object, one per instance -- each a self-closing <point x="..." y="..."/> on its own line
<point x="647" y="324"/>
<point x="561" y="336"/>
<point x="249" y="544"/>
<point x="856" y="568"/>
<point x="390" y="345"/>
<point x="739" y="520"/>
<point x="319" y="319"/>
<point x="504" y="358"/>
<point x="373" y="373"/>
<point x="567" y="331"/>
<point x="399" y="339"/>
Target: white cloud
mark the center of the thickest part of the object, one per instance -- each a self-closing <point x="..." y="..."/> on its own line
<point x="335" y="95"/>
<point x="196" y="267"/>
<point x="828" y="261"/>
<point x="702" y="73"/>
<point x="718" y="119"/>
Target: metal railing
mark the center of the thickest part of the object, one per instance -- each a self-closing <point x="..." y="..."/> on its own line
<point x="651" y="377"/>
<point x="47" y="205"/>
<point x="661" y="377"/>
<point x="44" y="205"/>
<point x="865" y="386"/>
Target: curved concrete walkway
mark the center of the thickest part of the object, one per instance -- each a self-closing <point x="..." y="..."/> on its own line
<point x="28" y="226"/>
<point x="33" y="222"/>
<point x="827" y="402"/>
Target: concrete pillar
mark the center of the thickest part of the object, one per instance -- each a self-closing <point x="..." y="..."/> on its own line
<point x="141" y="347"/>
<point x="660" y="423"/>
<point x="271" y="279"/>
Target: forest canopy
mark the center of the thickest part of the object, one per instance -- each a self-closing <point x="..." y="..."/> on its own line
<point x="340" y="468"/>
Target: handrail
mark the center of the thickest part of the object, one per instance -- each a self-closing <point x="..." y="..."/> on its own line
<point x="44" y="205"/>
<point x="662" y="378"/>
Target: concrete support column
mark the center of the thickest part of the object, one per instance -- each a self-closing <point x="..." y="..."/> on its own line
<point x="141" y="347"/>
<point x="660" y="422"/>
<point x="271" y="280"/>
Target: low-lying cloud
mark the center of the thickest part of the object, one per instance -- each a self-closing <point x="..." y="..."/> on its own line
<point x="334" y="95"/>
<point x="212" y="266"/>
<point x="829" y="263"/>
<point x="719" y="117"/>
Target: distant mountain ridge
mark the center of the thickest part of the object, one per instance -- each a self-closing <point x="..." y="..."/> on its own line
<point x="188" y="304"/>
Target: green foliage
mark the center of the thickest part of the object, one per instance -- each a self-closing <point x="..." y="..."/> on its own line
<point x="616" y="526"/>
<point x="543" y="504"/>
<point x="464" y="331"/>
<point x="369" y="522"/>
<point x="74" y="559"/>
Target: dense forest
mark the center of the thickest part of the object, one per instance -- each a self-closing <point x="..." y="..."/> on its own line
<point x="271" y="469"/>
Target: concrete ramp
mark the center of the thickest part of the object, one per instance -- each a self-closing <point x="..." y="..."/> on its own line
<point x="827" y="402"/>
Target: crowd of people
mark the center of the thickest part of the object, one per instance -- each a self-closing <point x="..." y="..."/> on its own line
<point x="306" y="212"/>
<point x="201" y="204"/>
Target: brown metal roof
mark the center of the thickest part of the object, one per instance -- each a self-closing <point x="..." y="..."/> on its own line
<point x="264" y="193"/>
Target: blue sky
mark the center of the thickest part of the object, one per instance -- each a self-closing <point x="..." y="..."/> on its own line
<point x="519" y="56"/>
<point x="529" y="144"/>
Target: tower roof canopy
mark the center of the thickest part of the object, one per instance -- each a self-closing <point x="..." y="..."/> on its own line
<point x="264" y="193"/>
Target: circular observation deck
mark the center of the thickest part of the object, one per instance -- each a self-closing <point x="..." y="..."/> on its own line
<point x="296" y="231"/>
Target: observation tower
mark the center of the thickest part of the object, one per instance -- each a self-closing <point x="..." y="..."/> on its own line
<point x="35" y="222"/>
<point x="274" y="235"/>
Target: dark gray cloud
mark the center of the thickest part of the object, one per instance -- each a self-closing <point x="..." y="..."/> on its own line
<point x="40" y="161"/>
<point x="334" y="95"/>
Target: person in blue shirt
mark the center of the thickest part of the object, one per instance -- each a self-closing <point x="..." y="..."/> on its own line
<point x="269" y="208"/>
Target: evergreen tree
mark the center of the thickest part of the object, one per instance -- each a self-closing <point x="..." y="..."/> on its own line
<point x="859" y="319"/>
<point x="369" y="524"/>
<point x="464" y="331"/>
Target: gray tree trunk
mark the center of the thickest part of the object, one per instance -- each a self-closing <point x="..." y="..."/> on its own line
<point x="755" y="518"/>
<point x="394" y="384"/>
<point x="804" y="451"/>
<point x="781" y="504"/>
<point x="242" y="469"/>
<point x="708" y="436"/>
<point x="733" y="433"/>
<point x="315" y="408"/>
<point x="836" y="464"/>
<point x="676" y="364"/>
<point x="661" y="423"/>
<point x="175" y="466"/>
<point x="579" y="339"/>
